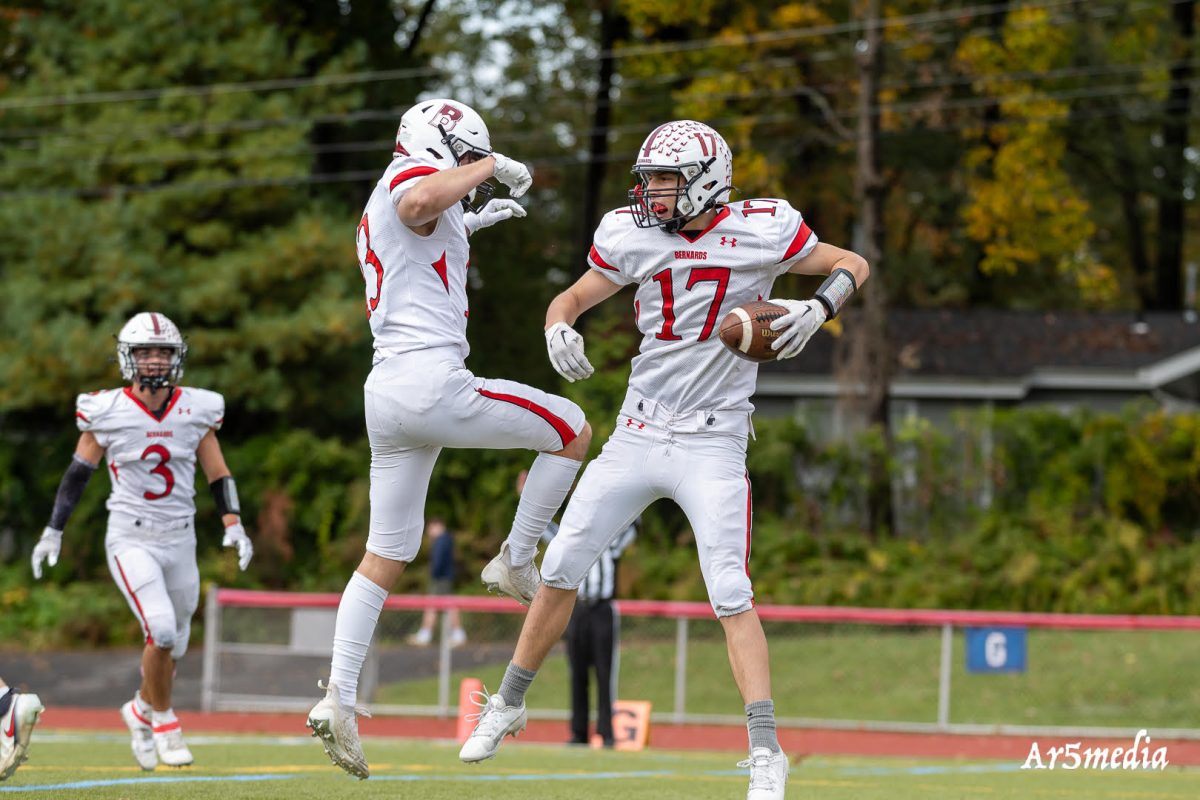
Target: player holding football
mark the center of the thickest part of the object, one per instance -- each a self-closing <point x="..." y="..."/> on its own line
<point x="420" y="397"/>
<point x="684" y="422"/>
<point x="152" y="432"/>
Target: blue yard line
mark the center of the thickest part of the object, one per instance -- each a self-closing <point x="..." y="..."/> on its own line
<point x="566" y="776"/>
<point x="931" y="769"/>
<point x="51" y="787"/>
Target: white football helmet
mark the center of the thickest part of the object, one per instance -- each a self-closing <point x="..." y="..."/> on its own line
<point x="150" y="329"/>
<point x="695" y="151"/>
<point x="446" y="130"/>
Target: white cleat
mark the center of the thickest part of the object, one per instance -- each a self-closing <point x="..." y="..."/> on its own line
<point x="168" y="742"/>
<point x="768" y="774"/>
<point x="495" y="721"/>
<point x="336" y="725"/>
<point x="16" y="726"/>
<point x="519" y="583"/>
<point x="141" y="734"/>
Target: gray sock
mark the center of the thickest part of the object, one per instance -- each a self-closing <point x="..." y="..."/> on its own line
<point x="516" y="684"/>
<point x="760" y="722"/>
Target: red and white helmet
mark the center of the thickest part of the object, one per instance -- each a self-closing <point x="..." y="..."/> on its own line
<point x="695" y="151"/>
<point x="150" y="329"/>
<point x="445" y="130"/>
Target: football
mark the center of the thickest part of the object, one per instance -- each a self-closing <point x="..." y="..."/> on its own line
<point x="746" y="330"/>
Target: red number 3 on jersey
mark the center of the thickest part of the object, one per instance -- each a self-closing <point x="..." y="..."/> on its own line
<point x="160" y="469"/>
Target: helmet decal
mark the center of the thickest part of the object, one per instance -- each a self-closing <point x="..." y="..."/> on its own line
<point x="699" y="155"/>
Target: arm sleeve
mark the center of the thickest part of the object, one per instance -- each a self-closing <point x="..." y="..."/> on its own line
<point x="793" y="239"/>
<point x="70" y="490"/>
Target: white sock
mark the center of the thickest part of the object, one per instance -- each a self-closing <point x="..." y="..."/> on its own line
<point x="140" y="703"/>
<point x="549" y="480"/>
<point x="357" y="616"/>
<point x="160" y="718"/>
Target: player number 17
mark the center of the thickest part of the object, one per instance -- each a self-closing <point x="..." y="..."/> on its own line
<point x="717" y="275"/>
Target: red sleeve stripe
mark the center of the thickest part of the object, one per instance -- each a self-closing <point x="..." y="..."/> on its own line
<point x="559" y="424"/>
<point x="594" y="255"/>
<point x="82" y="416"/>
<point x="414" y="172"/>
<point x="798" y="241"/>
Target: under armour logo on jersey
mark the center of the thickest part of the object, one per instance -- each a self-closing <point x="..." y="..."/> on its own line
<point x="187" y="411"/>
<point x="730" y="240"/>
<point x="629" y="423"/>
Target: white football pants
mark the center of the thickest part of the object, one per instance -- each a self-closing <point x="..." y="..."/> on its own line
<point x="416" y="404"/>
<point x="646" y="459"/>
<point x="154" y="566"/>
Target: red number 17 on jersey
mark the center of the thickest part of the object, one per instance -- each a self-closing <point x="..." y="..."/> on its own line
<point x="697" y="275"/>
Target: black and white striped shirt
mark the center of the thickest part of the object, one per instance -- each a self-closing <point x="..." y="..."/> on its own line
<point x="601" y="580"/>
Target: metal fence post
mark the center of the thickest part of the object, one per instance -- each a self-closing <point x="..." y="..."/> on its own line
<point x="681" y="642"/>
<point x="212" y="638"/>
<point x="943" y="714"/>
<point x="444" y="667"/>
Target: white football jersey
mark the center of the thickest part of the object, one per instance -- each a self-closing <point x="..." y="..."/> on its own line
<point x="152" y="463"/>
<point x="686" y="283"/>
<point x="416" y="285"/>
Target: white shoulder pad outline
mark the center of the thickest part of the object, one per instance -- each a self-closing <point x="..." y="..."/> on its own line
<point x="207" y="406"/>
<point x="91" y="408"/>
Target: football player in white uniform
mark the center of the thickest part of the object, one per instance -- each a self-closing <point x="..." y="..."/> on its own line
<point x="684" y="423"/>
<point x="420" y="397"/>
<point x="19" y="712"/>
<point x="152" y="432"/>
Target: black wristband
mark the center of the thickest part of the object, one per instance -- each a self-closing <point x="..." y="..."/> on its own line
<point x="836" y="290"/>
<point x="70" y="489"/>
<point x="224" y="492"/>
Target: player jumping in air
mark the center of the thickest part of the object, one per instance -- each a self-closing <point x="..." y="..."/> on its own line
<point x="683" y="426"/>
<point x="420" y="397"/>
<point x="152" y="433"/>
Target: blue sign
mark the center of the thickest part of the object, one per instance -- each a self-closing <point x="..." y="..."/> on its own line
<point x="996" y="649"/>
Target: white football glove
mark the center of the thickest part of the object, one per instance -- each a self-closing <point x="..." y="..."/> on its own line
<point x="565" y="346"/>
<point x="46" y="550"/>
<point x="513" y="174"/>
<point x="495" y="211"/>
<point x="803" y="319"/>
<point x="235" y="536"/>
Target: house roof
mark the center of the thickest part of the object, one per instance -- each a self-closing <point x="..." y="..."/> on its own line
<point x="1013" y="351"/>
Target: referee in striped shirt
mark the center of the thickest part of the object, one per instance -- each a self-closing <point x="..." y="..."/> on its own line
<point x="593" y="639"/>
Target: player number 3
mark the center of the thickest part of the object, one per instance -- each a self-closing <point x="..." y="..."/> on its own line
<point x="160" y="469"/>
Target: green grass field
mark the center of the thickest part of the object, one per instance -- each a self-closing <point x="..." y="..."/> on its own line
<point x="82" y="766"/>
<point x="1122" y="679"/>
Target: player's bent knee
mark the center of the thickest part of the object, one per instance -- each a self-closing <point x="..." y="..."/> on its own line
<point x="181" y="644"/>
<point x="731" y="593"/>
<point x="161" y="633"/>
<point x="578" y="447"/>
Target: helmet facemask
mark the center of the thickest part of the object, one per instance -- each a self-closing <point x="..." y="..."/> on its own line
<point x="696" y="178"/>
<point x="150" y="376"/>
<point x="149" y="330"/>
<point x="459" y="149"/>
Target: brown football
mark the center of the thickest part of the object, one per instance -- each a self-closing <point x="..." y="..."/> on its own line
<point x="746" y="330"/>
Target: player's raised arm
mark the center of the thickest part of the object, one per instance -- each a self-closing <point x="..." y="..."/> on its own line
<point x="88" y="453"/>
<point x="225" y="496"/>
<point x="563" y="342"/>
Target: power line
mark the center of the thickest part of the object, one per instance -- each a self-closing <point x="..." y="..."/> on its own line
<point x="557" y="161"/>
<point x="709" y="43"/>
